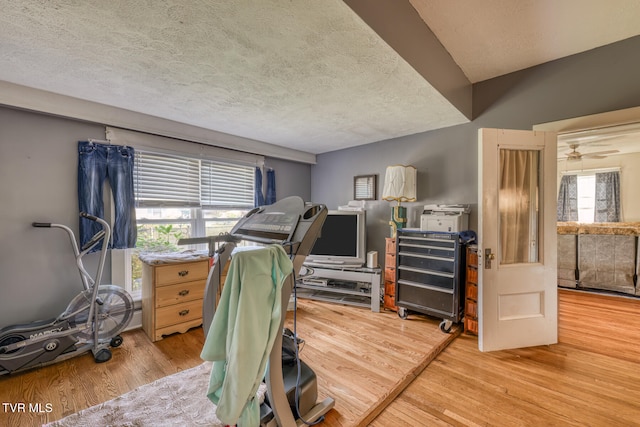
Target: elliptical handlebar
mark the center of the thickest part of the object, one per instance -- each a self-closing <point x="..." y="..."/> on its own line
<point x="104" y="233"/>
<point x="41" y="224"/>
<point x="88" y="216"/>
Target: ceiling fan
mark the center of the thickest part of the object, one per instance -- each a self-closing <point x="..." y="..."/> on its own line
<point x="576" y="155"/>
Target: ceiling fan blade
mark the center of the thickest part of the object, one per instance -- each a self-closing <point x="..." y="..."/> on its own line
<point x="599" y="153"/>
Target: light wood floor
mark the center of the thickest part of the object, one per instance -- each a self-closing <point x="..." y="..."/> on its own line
<point x="591" y="378"/>
<point x="362" y="359"/>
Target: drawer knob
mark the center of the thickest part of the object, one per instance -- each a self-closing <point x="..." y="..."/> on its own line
<point x="184" y="293"/>
<point x="183" y="273"/>
<point x="184" y="312"/>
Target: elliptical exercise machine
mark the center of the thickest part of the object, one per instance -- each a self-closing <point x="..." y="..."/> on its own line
<point x="92" y="321"/>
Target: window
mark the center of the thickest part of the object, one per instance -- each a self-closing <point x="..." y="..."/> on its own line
<point x="590" y="197"/>
<point x="179" y="197"/>
<point x="586" y="198"/>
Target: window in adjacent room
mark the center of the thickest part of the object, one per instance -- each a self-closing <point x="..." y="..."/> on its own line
<point x="590" y="197"/>
<point x="586" y="197"/>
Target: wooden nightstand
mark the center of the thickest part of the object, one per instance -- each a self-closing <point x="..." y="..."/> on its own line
<point x="471" y="293"/>
<point x="390" y="275"/>
<point x="172" y="297"/>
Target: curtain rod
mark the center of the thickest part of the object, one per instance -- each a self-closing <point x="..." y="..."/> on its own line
<point x="586" y="171"/>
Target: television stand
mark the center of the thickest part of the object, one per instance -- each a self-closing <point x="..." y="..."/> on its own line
<point x="358" y="286"/>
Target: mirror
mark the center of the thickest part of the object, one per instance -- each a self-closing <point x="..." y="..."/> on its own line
<point x="365" y="187"/>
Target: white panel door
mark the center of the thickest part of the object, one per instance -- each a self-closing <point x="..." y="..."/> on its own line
<point x="518" y="297"/>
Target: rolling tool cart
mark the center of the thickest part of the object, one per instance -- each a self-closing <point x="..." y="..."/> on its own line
<point x="430" y="275"/>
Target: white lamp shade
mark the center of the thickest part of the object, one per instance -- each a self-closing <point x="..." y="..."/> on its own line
<point x="400" y="183"/>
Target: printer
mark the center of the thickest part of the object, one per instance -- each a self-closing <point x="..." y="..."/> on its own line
<point x="448" y="218"/>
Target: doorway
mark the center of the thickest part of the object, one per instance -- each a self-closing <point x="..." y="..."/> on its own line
<point x="590" y="146"/>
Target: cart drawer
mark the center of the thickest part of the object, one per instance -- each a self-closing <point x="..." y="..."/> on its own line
<point x="424" y="300"/>
<point x="426" y="277"/>
<point x="411" y="247"/>
<point x="427" y="263"/>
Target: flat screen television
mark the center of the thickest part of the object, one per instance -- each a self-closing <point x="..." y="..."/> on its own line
<point x="342" y="240"/>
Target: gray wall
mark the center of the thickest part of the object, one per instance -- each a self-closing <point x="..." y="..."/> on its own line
<point x="292" y="178"/>
<point x="38" y="172"/>
<point x="38" y="182"/>
<point x="600" y="80"/>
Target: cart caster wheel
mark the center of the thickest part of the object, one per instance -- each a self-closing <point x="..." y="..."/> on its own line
<point x="116" y="341"/>
<point x="102" y="355"/>
<point x="445" y="326"/>
<point x="403" y="313"/>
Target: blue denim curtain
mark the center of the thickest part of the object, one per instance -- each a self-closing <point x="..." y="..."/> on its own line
<point x="568" y="198"/>
<point x="607" y="207"/>
<point x="271" y="187"/>
<point x="258" y="198"/>
<point x="97" y="163"/>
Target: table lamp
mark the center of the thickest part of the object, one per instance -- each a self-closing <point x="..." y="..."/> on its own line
<point x="399" y="185"/>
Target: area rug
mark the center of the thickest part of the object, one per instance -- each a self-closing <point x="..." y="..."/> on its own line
<point x="176" y="400"/>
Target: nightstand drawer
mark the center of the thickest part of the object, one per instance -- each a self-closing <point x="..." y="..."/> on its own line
<point x="179" y="273"/>
<point x="180" y="292"/>
<point x="178" y="313"/>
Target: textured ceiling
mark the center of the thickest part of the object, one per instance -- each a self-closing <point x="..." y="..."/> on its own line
<point x="303" y="74"/>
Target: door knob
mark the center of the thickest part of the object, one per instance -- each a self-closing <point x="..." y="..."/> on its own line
<point x="488" y="257"/>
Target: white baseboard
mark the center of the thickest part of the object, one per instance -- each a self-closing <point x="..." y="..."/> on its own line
<point x="136" y="320"/>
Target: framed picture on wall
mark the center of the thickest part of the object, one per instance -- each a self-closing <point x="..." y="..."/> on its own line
<point x="365" y="187"/>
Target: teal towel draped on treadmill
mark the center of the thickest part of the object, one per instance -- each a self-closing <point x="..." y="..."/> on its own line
<point x="243" y="330"/>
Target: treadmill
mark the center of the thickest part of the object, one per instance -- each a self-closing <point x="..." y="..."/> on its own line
<point x="294" y="225"/>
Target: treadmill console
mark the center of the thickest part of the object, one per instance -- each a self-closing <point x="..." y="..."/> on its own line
<point x="267" y="225"/>
<point x="288" y="221"/>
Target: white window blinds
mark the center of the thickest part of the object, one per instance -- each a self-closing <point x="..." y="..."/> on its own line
<point x="163" y="180"/>
<point x="226" y="185"/>
<point x="166" y="181"/>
